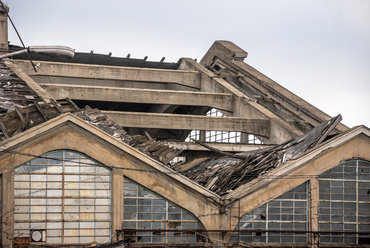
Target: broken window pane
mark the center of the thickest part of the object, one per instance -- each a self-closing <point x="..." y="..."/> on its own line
<point x="143" y="209"/>
<point x="287" y="212"/>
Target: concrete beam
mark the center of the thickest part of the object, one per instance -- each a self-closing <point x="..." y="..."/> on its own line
<point x="113" y="94"/>
<point x="225" y="147"/>
<point x="110" y="83"/>
<point x="224" y="49"/>
<point x="182" y="77"/>
<point x="259" y="127"/>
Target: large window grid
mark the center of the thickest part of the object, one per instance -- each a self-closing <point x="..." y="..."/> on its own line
<point x="143" y="209"/>
<point x="222" y="136"/>
<point x="65" y="194"/>
<point x="285" y="213"/>
<point x="345" y="202"/>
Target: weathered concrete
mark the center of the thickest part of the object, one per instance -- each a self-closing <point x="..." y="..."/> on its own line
<point x="51" y="80"/>
<point x="7" y="207"/>
<point x="224" y="49"/>
<point x="227" y="147"/>
<point x="258" y="127"/>
<point x="187" y="78"/>
<point x="313" y="212"/>
<point x="3" y="29"/>
<point x="114" y="94"/>
<point x="117" y="204"/>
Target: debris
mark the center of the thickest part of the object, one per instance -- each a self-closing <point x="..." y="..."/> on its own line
<point x="222" y="175"/>
<point x="14" y="91"/>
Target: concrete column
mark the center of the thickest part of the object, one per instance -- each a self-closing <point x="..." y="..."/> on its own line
<point x="7" y="204"/>
<point x="244" y="138"/>
<point x="222" y="222"/>
<point x="202" y="136"/>
<point x="3" y="29"/>
<point x="216" y="238"/>
<point x="314" y="212"/>
<point x="117" y="201"/>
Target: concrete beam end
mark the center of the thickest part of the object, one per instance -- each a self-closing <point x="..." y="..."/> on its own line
<point x="224" y="49"/>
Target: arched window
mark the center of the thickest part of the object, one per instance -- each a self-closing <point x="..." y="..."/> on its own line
<point x="62" y="197"/>
<point x="344" y="210"/>
<point x="287" y="213"/>
<point x="345" y="203"/>
<point x="166" y="222"/>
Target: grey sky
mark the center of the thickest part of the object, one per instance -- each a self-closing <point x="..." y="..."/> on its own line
<point x="318" y="49"/>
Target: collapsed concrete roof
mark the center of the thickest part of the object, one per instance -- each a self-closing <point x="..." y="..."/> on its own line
<point x="220" y="175"/>
<point x="270" y="164"/>
<point x="70" y="132"/>
<point x="253" y="103"/>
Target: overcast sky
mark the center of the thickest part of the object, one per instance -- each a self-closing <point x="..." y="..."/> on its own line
<point x="318" y="49"/>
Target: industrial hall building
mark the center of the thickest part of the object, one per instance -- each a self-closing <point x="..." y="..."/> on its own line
<point x="103" y="151"/>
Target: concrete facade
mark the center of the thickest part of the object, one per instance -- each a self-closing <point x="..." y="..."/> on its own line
<point x="214" y="212"/>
